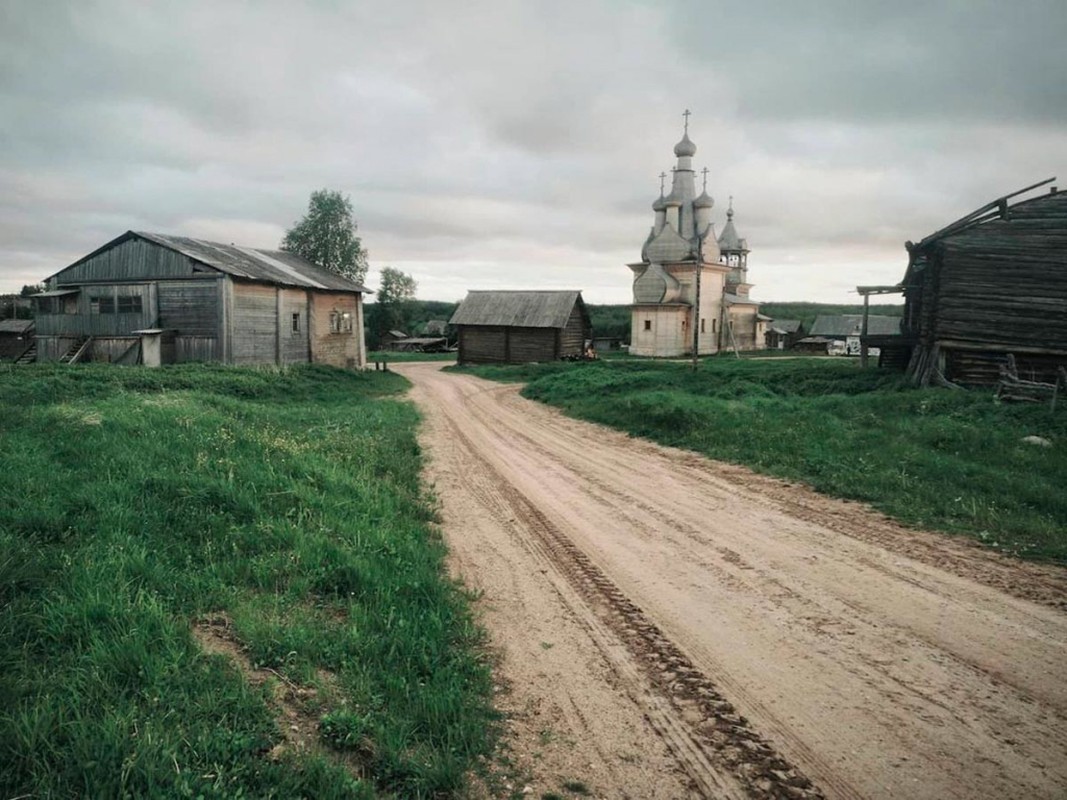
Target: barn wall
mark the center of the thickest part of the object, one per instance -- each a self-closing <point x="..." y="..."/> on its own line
<point x="196" y="348"/>
<point x="189" y="307"/>
<point x="531" y="344"/>
<point x="132" y="260"/>
<point x="255" y="324"/>
<point x="482" y="344"/>
<point x="83" y="321"/>
<point x="293" y="335"/>
<point x="572" y="337"/>
<point x="340" y="349"/>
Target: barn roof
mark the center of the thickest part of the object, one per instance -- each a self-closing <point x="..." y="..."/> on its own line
<point x="520" y="309"/>
<point x="267" y="266"/>
<point x="851" y="324"/>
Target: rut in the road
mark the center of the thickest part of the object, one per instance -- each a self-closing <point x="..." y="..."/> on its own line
<point x="701" y="727"/>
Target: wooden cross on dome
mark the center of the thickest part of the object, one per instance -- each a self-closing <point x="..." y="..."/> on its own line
<point x="662" y="175"/>
<point x="687" y="114"/>
<point x="705" y="172"/>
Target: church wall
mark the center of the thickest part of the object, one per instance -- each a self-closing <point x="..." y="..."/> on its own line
<point x="745" y="329"/>
<point x="658" y="331"/>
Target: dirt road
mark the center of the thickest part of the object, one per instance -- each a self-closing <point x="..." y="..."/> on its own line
<point x="671" y="626"/>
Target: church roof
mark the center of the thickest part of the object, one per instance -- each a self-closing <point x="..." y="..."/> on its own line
<point x="729" y="239"/>
<point x="520" y="309"/>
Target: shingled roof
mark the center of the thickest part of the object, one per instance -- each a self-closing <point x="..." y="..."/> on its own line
<point x="521" y="309"/>
<point x="268" y="266"/>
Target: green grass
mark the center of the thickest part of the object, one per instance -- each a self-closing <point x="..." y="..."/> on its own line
<point x="134" y="501"/>
<point x="391" y="357"/>
<point x="931" y="458"/>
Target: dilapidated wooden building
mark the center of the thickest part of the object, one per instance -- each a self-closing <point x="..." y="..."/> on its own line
<point x="519" y="326"/>
<point x="206" y="301"/>
<point x="991" y="284"/>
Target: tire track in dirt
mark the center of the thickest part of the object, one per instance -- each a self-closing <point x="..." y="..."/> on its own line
<point x="700" y="726"/>
<point x="876" y="659"/>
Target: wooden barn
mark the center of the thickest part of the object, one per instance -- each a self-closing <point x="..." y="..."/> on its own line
<point x="519" y="326"/>
<point x="16" y="338"/>
<point x="191" y="300"/>
<point x="991" y="284"/>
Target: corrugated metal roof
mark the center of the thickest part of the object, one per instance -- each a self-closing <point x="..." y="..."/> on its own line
<point x="851" y="324"/>
<point x="269" y="266"/>
<point x="521" y="309"/>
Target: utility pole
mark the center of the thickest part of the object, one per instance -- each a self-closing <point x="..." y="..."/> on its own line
<point x="696" y="300"/>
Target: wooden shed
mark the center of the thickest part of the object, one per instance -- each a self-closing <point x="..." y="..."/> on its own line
<point x="518" y="326"/>
<point x="991" y="284"/>
<point x="211" y="302"/>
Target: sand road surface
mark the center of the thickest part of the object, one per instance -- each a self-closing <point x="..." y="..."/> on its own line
<point x="670" y="626"/>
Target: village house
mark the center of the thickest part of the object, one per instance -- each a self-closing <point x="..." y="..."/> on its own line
<point x="513" y="327"/>
<point x="146" y="297"/>
<point x="680" y="250"/>
<point x="782" y="334"/>
<point x="16" y="339"/>
<point x="846" y="329"/>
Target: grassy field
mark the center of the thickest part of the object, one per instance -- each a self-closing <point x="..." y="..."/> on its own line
<point x="136" y="504"/>
<point x="932" y="458"/>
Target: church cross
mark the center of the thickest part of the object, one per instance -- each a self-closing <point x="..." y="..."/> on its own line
<point x="662" y="175"/>
<point x="705" y="172"/>
<point x="687" y="114"/>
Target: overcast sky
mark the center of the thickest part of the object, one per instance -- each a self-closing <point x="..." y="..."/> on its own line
<point x="517" y="144"/>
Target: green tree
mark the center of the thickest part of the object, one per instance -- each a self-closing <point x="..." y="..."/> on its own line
<point x="327" y="236"/>
<point x="393" y="302"/>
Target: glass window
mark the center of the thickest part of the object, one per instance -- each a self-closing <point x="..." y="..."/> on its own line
<point x="295" y="324"/>
<point x="648" y="324"/>
<point x="101" y="305"/>
<point x="130" y="304"/>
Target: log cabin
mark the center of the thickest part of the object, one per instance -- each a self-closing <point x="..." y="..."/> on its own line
<point x="990" y="285"/>
<point x="192" y="300"/>
<point x="512" y="327"/>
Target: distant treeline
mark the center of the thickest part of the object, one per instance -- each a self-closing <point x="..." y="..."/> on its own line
<point x="614" y="320"/>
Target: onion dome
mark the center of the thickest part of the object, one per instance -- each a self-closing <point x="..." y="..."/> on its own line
<point x="672" y="201"/>
<point x="704" y="201"/>
<point x="660" y="204"/>
<point x="685" y="148"/>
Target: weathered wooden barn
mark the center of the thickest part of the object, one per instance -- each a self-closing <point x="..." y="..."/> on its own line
<point x="782" y="334"/>
<point x="203" y="301"/>
<point x="519" y="326"/>
<point x="991" y="284"/>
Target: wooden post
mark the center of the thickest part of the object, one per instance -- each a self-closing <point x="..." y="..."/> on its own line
<point x="863" y="330"/>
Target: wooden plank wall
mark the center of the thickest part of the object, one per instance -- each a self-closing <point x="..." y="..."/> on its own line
<point x="132" y="260"/>
<point x="255" y="324"/>
<point x="293" y="345"/>
<point x="338" y="349"/>
<point x="84" y="323"/>
<point x="196" y="348"/>
<point x="189" y="307"/>
<point x="483" y="344"/>
<point x="531" y="344"/>
<point x="572" y="338"/>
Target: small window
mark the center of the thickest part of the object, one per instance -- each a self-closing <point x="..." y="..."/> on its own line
<point x="713" y="325"/>
<point x="102" y="305"/>
<point x="45" y="305"/>
<point x="648" y="324"/>
<point x="702" y="325"/>
<point x="295" y="322"/>
<point x="340" y="322"/>
<point x="130" y="304"/>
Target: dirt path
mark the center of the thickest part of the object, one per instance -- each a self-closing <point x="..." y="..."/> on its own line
<point x="670" y="626"/>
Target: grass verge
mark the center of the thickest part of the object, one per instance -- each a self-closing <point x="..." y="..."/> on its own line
<point x="953" y="461"/>
<point x="135" y="503"/>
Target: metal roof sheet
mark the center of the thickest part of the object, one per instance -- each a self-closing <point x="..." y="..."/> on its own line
<point x="521" y="309"/>
<point x="269" y="266"/>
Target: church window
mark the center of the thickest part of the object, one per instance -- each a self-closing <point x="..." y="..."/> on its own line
<point x="702" y="325"/>
<point x="713" y="326"/>
<point x="648" y="324"/>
